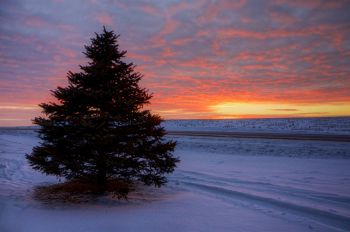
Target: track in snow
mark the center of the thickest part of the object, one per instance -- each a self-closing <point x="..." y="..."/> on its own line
<point x="271" y="198"/>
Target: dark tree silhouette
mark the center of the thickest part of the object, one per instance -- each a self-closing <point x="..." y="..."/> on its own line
<point x="97" y="129"/>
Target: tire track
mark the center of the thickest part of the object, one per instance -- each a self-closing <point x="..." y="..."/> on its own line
<point x="223" y="189"/>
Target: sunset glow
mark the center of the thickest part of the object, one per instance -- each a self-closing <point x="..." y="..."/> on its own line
<point x="230" y="110"/>
<point x="200" y="59"/>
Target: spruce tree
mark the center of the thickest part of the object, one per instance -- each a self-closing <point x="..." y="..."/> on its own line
<point x="97" y="129"/>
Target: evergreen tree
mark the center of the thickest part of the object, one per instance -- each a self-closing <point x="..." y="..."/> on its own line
<point x="97" y="129"/>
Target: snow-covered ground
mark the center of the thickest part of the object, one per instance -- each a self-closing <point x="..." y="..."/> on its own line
<point x="221" y="184"/>
<point x="331" y="125"/>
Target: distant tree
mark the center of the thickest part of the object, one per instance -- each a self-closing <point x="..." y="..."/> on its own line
<point x="97" y="129"/>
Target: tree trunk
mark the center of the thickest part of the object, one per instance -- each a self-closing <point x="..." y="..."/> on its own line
<point x="101" y="181"/>
<point x="101" y="174"/>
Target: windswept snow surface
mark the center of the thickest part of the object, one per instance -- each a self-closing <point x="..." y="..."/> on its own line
<point x="331" y="125"/>
<point x="221" y="184"/>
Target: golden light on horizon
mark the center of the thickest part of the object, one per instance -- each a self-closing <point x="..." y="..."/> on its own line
<point x="246" y="109"/>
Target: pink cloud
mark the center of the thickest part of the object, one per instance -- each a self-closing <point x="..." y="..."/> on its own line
<point x="34" y="21"/>
<point x="104" y="19"/>
<point x="213" y="9"/>
<point x="275" y="33"/>
<point x="282" y="17"/>
<point x="311" y="4"/>
<point x="68" y="53"/>
<point x="177" y="7"/>
<point x="168" y="28"/>
<point x="150" y="9"/>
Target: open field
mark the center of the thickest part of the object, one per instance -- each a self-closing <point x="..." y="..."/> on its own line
<point x="331" y="125"/>
<point x="221" y="184"/>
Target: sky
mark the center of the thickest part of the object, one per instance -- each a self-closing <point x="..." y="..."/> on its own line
<point x="200" y="59"/>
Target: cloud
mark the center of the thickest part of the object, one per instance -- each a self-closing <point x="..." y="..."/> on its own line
<point x="35" y="21"/>
<point x="285" y="109"/>
<point x="313" y="4"/>
<point x="105" y="19"/>
<point x="193" y="54"/>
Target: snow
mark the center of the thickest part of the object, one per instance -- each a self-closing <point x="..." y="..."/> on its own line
<point x="331" y="125"/>
<point x="221" y="184"/>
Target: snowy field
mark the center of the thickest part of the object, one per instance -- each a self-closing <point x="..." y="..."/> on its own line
<point x="331" y="125"/>
<point x="221" y="184"/>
